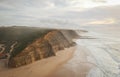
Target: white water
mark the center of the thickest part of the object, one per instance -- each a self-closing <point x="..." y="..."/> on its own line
<point x="105" y="52"/>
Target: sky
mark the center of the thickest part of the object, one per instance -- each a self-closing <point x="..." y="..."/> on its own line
<point x="59" y="13"/>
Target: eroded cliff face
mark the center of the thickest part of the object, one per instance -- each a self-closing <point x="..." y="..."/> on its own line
<point x="44" y="47"/>
<point x="33" y="52"/>
<point x="57" y="40"/>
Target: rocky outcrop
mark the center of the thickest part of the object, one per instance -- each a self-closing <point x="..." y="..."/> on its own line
<point x="43" y="47"/>
<point x="57" y="40"/>
<point x="36" y="51"/>
<point x="70" y="35"/>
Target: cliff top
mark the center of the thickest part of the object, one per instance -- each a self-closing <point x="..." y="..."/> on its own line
<point x="19" y="36"/>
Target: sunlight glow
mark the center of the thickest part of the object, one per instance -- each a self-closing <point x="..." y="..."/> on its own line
<point x="105" y="21"/>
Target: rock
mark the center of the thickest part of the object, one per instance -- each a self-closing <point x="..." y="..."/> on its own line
<point x="57" y="40"/>
<point x="32" y="53"/>
<point x="43" y="47"/>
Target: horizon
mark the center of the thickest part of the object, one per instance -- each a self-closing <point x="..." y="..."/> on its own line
<point x="60" y="13"/>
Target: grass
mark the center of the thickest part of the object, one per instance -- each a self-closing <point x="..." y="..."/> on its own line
<point x="23" y="35"/>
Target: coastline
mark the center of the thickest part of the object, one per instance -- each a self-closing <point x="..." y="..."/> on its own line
<point x="42" y="68"/>
<point x="78" y="66"/>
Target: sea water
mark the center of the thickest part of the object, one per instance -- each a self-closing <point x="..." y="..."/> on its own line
<point x="104" y="49"/>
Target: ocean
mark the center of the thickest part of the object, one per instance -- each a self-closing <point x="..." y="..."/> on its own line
<point x="104" y="50"/>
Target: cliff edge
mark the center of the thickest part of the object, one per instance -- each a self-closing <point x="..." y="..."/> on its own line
<point x="38" y="46"/>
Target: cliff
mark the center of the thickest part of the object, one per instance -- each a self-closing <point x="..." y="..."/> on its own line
<point x="44" y="45"/>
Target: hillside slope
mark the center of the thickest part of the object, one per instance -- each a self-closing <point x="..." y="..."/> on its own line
<point x="24" y="45"/>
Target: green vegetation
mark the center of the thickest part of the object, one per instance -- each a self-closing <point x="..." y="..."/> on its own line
<point x="23" y="35"/>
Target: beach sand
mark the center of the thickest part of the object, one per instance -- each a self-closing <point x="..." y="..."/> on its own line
<point x="41" y="68"/>
<point x="78" y="66"/>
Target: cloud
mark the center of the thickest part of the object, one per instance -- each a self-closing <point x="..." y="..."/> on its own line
<point x="56" y="13"/>
<point x="103" y="1"/>
<point x="102" y="22"/>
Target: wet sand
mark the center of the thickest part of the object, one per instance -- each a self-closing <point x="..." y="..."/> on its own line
<point x="104" y="51"/>
<point x="42" y="68"/>
<point x="78" y="66"/>
<point x="98" y="57"/>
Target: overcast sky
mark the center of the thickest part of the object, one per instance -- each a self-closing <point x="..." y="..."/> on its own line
<point x="59" y="13"/>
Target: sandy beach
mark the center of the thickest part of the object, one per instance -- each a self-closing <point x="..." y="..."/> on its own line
<point x="95" y="57"/>
<point x="41" y="68"/>
<point x="87" y="33"/>
<point x="78" y="66"/>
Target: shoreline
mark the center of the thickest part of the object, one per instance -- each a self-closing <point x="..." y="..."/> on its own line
<point x="78" y="66"/>
<point x="41" y="68"/>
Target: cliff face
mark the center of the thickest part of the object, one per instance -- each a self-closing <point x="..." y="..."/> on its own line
<point x="57" y="40"/>
<point x="33" y="52"/>
<point x="43" y="47"/>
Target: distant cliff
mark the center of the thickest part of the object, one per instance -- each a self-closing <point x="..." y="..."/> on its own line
<point x="33" y="47"/>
